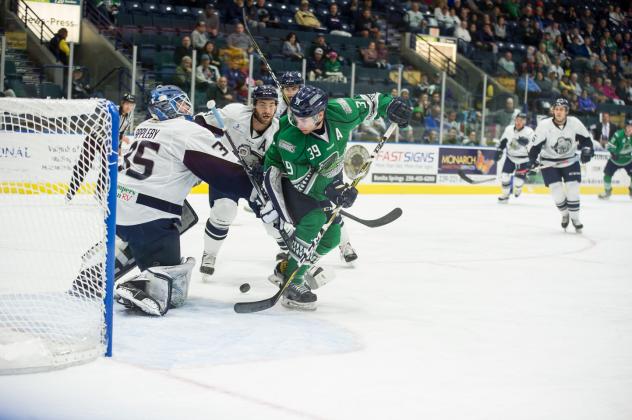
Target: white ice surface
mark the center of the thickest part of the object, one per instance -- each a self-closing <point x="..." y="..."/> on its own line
<point x="462" y="309"/>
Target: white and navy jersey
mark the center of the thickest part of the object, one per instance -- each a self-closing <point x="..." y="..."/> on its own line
<point x="250" y="144"/>
<point x="518" y="143"/>
<point x="559" y="143"/>
<point x="281" y="107"/>
<point x="166" y="159"/>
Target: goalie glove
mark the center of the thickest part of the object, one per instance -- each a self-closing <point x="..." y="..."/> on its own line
<point x="341" y="194"/>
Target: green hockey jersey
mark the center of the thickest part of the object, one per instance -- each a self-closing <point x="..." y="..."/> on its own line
<point x="312" y="161"/>
<point x="621" y="147"/>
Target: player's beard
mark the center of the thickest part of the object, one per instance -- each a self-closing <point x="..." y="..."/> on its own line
<point x="260" y="118"/>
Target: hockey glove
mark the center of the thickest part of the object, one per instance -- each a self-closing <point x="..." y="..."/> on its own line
<point x="586" y="154"/>
<point x="399" y="112"/>
<point x="341" y="194"/>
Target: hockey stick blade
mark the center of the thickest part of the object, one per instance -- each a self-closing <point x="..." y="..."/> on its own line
<point x="469" y="180"/>
<point x="257" y="306"/>
<point x="380" y="221"/>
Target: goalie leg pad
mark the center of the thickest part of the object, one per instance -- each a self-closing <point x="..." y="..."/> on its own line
<point x="180" y="279"/>
<point x="272" y="183"/>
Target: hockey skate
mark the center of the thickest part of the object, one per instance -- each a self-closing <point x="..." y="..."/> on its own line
<point x="207" y="266"/>
<point x="630" y="191"/>
<point x="299" y="297"/>
<point x="315" y="277"/>
<point x="517" y="192"/>
<point x="347" y="253"/>
<point x="577" y="225"/>
<point x="565" y="219"/>
<point x="503" y="199"/>
<point x="282" y="255"/>
<point x="607" y="193"/>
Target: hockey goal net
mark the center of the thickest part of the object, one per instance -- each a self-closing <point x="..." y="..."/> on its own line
<point x="57" y="208"/>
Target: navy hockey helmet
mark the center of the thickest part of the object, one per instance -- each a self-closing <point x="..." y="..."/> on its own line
<point x="168" y="102"/>
<point x="265" y="92"/>
<point x="562" y="102"/>
<point x="522" y="114"/>
<point x="628" y="121"/>
<point x="291" y="78"/>
<point x="308" y="101"/>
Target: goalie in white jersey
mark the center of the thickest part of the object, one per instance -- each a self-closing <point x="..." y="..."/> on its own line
<point x="170" y="155"/>
<point x="517" y="138"/>
<point x="252" y="131"/>
<point x="557" y="140"/>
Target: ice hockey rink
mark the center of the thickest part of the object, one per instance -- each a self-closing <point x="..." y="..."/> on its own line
<point x="461" y="309"/>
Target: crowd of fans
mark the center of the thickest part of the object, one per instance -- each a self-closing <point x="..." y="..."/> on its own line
<point x="579" y="51"/>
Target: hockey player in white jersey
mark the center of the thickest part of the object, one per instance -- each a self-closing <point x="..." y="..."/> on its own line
<point x="170" y="155"/>
<point x="556" y="142"/>
<point x="252" y="130"/>
<point x="517" y="139"/>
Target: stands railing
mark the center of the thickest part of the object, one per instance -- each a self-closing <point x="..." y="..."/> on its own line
<point x="33" y="22"/>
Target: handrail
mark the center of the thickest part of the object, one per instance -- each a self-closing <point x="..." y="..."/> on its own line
<point x="26" y="14"/>
<point x="453" y="69"/>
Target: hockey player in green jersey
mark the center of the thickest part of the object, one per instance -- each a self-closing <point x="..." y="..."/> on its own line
<point x="303" y="173"/>
<point x="620" y="148"/>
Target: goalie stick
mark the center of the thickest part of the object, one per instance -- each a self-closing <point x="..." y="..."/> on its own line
<point x="261" y="305"/>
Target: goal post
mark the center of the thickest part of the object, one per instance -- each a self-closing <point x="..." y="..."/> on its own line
<point x="58" y="170"/>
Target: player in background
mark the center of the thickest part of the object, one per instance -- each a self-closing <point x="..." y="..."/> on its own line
<point x="303" y="175"/>
<point x="291" y="82"/>
<point x="557" y="139"/>
<point x="126" y="108"/>
<point x="170" y="154"/>
<point x="620" y="148"/>
<point x="252" y="129"/>
<point x="517" y="138"/>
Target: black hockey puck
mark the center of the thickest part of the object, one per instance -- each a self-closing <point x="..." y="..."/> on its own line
<point x="244" y="288"/>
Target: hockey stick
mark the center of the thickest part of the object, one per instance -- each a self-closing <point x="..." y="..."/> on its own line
<point x="373" y="223"/>
<point x="260" y="305"/>
<point x="537" y="168"/>
<point x="469" y="180"/>
<point x="262" y="56"/>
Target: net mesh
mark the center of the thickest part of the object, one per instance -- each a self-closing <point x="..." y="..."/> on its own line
<point x="54" y="187"/>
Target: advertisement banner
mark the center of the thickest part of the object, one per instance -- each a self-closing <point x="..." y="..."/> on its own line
<point x="36" y="158"/>
<point x="395" y="163"/>
<point x="470" y="160"/>
<point x="56" y="14"/>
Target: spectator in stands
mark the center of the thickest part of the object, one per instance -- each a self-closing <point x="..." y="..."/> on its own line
<point x="500" y="28"/>
<point x="366" y="25"/>
<point x="239" y="40"/>
<point x="183" y="50"/>
<point x="252" y="15"/>
<point x="198" y="36"/>
<point x="432" y="121"/>
<point x="232" y="12"/>
<point x="210" y="50"/>
<point x="316" y="65"/>
<point x="507" y="65"/>
<point x="463" y="39"/>
<point x="542" y="58"/>
<point x="604" y="130"/>
<point x="382" y="54"/>
<point x="206" y="74"/>
<point x="575" y="85"/>
<point x="565" y="84"/>
<point x="235" y="76"/>
<point x="512" y="7"/>
<point x="334" y="23"/>
<point x="615" y="15"/>
<point x="264" y="17"/>
<point x="292" y="48"/>
<point x="80" y="88"/>
<point x="586" y="105"/>
<point x="543" y="83"/>
<point x="333" y="68"/>
<point x="211" y="19"/>
<point x="220" y="92"/>
<point x="59" y="46"/>
<point x="414" y="18"/>
<point x="487" y="38"/>
<point x="184" y="71"/>
<point x="610" y="93"/>
<point x="304" y="17"/>
<point x="506" y="116"/>
<point x="557" y="68"/>
<point x="553" y="30"/>
<point x="319" y="42"/>
<point x="422" y="108"/>
<point x="471" y="138"/>
<point x="531" y="86"/>
<point x="370" y="57"/>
